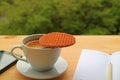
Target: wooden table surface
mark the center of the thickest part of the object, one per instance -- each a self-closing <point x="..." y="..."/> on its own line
<point x="105" y="43"/>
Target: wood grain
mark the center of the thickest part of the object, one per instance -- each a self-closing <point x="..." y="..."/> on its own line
<point x="108" y="44"/>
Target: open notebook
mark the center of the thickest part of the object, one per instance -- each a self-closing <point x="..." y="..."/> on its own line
<point x="93" y="65"/>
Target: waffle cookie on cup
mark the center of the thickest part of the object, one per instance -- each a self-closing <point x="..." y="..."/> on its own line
<point x="57" y="40"/>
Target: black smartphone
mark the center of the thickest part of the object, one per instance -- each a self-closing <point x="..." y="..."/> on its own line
<point x="6" y="60"/>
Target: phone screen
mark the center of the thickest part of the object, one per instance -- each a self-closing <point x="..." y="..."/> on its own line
<point x="6" y="60"/>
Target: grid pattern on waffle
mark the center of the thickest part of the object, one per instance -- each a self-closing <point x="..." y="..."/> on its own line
<point x="57" y="39"/>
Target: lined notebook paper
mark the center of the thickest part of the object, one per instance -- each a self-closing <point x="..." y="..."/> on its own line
<point x="95" y="65"/>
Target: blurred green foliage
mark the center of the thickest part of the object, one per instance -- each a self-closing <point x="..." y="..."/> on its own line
<point x="71" y="16"/>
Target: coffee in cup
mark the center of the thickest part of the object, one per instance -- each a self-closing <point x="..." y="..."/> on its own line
<point x="40" y="58"/>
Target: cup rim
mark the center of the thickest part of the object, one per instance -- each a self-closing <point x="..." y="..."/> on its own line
<point x="32" y="47"/>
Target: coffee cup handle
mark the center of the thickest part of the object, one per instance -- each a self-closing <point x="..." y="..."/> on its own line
<point x="19" y="58"/>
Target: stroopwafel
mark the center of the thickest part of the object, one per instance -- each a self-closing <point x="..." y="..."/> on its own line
<point x="57" y="40"/>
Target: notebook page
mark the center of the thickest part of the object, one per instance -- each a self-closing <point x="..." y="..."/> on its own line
<point x="92" y="65"/>
<point x="115" y="60"/>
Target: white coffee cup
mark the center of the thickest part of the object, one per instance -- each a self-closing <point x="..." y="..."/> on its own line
<point x="40" y="59"/>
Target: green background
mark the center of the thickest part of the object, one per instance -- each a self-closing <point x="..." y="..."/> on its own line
<point x="80" y="17"/>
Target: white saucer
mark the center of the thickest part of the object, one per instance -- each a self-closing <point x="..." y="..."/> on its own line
<point x="59" y="68"/>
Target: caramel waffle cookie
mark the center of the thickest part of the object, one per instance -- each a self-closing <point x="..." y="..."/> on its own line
<point x="57" y="40"/>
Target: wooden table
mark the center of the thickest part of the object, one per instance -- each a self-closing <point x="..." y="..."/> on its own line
<point x="108" y="44"/>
